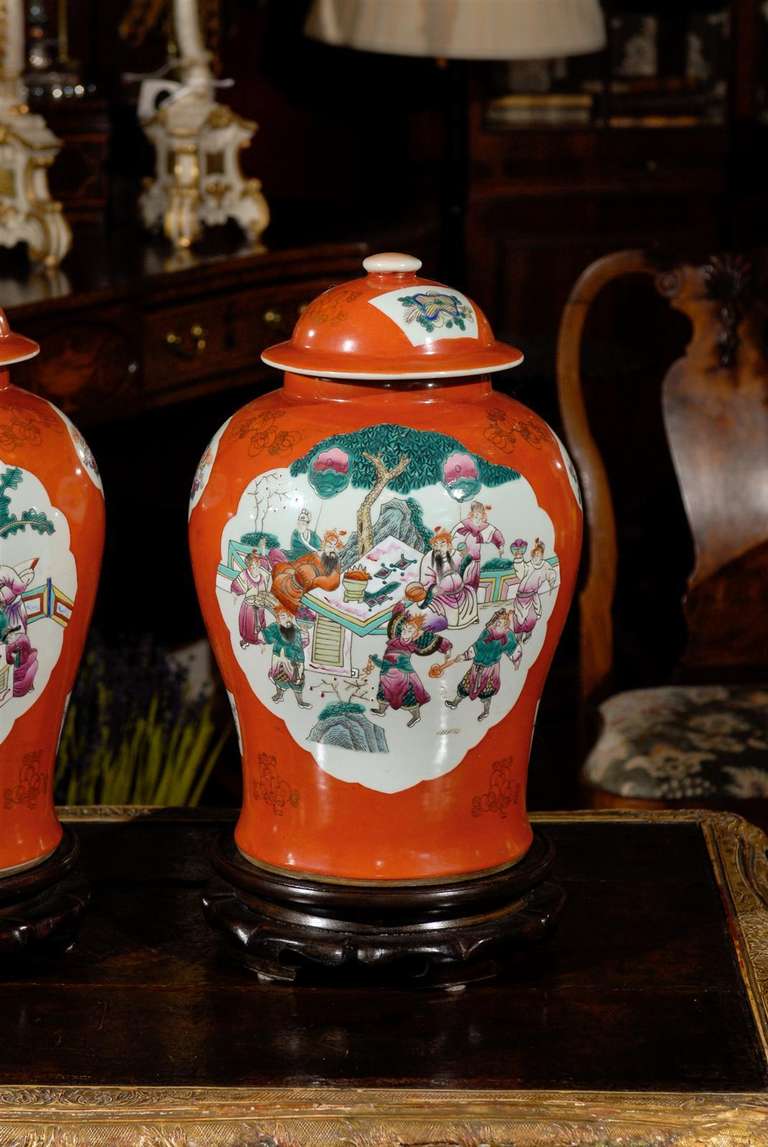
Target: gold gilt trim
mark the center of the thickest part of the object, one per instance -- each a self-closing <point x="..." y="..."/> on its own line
<point x="126" y="812"/>
<point x="228" y="1117"/>
<point x="738" y="852"/>
<point x="34" y="1116"/>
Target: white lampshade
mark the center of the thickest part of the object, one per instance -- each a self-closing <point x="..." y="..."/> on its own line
<point x="461" y="29"/>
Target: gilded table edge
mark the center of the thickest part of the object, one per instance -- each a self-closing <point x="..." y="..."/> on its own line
<point x="231" y="1117"/>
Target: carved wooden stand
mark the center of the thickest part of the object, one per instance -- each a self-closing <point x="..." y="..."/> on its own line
<point x="287" y="928"/>
<point x="40" y="908"/>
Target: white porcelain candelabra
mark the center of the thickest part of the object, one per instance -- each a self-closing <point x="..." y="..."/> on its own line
<point x="27" y="149"/>
<point x="197" y="180"/>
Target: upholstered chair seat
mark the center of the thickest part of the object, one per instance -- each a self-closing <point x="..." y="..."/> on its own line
<point x="683" y="743"/>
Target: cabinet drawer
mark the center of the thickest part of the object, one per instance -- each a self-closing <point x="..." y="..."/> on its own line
<point x="219" y="335"/>
<point x="90" y="366"/>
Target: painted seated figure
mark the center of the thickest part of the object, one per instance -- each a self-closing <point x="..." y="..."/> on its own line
<point x="291" y="580"/>
<point x="442" y="573"/>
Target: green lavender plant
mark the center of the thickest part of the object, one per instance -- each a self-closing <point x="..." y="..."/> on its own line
<point x="132" y="734"/>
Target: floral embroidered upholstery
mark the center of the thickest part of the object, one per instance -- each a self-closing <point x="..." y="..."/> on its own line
<point x="683" y="742"/>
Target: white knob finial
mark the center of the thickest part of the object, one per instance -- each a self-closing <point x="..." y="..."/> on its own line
<point x="391" y="261"/>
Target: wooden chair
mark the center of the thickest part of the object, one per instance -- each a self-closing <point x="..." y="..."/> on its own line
<point x="701" y="738"/>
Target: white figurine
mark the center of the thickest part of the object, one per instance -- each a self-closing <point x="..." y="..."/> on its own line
<point x="27" y="149"/>
<point x="198" y="180"/>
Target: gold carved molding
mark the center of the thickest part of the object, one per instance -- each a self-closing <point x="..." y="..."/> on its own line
<point x="231" y="1117"/>
<point x="68" y="1116"/>
<point x="147" y="1117"/>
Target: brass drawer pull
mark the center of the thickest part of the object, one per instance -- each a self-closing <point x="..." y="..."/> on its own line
<point x="276" y="320"/>
<point x="273" y="318"/>
<point x="199" y="340"/>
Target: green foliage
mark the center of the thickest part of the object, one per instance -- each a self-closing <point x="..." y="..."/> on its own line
<point x="426" y="449"/>
<point x="10" y="524"/>
<point x="463" y="488"/>
<point x="498" y="564"/>
<point x="11" y="479"/>
<point x="273" y="542"/>
<point x="429" y="322"/>
<point x="417" y="518"/>
<point x="341" y="709"/>
<point x="327" y="483"/>
<point x="132" y="735"/>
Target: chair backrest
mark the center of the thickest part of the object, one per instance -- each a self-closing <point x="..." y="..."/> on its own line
<point x="715" y="414"/>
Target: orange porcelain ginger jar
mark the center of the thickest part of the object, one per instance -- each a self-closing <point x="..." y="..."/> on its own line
<point x="51" y="539"/>
<point x="385" y="549"/>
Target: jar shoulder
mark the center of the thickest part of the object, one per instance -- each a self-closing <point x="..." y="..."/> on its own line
<point x="448" y="407"/>
<point x="277" y="428"/>
<point x="37" y="436"/>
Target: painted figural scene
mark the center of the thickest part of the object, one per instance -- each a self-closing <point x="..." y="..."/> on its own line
<point x="30" y="593"/>
<point x="385" y="580"/>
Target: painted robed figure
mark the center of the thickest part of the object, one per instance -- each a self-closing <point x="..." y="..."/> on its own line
<point x="252" y="584"/>
<point x="287" y="671"/>
<point x="475" y="531"/>
<point x="443" y="573"/>
<point x="482" y="680"/>
<point x="539" y="578"/>
<point x="408" y="636"/>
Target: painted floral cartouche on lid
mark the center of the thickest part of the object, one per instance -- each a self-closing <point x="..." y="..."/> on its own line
<point x="391" y="324"/>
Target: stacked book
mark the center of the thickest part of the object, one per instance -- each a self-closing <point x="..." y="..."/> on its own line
<point x="539" y="109"/>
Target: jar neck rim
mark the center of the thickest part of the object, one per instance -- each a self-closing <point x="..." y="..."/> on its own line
<point x="388" y="392"/>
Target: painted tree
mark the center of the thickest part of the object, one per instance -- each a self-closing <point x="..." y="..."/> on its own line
<point x="400" y="459"/>
<point x="271" y="494"/>
<point x="384" y="476"/>
<point x="31" y="519"/>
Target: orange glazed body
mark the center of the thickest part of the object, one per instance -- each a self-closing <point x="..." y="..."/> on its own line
<point x="51" y="540"/>
<point x="370" y="798"/>
<point x="384" y="551"/>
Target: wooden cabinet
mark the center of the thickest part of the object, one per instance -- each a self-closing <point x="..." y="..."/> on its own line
<point x="126" y="335"/>
<point x="188" y="346"/>
<point x="544" y="201"/>
<point x="544" y="204"/>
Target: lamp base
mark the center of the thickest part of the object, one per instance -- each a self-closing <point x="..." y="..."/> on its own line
<point x="40" y="907"/>
<point x="287" y="928"/>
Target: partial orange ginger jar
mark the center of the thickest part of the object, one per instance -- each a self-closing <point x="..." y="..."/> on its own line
<point x="51" y="540"/>
<point x="385" y="550"/>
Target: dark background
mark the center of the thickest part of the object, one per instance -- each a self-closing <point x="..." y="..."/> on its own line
<point x="352" y="145"/>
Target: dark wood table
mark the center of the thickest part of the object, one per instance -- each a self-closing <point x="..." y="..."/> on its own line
<point x="643" y="1021"/>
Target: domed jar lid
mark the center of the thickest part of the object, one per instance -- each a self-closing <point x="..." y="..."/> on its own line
<point x="392" y="324"/>
<point x="13" y="347"/>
